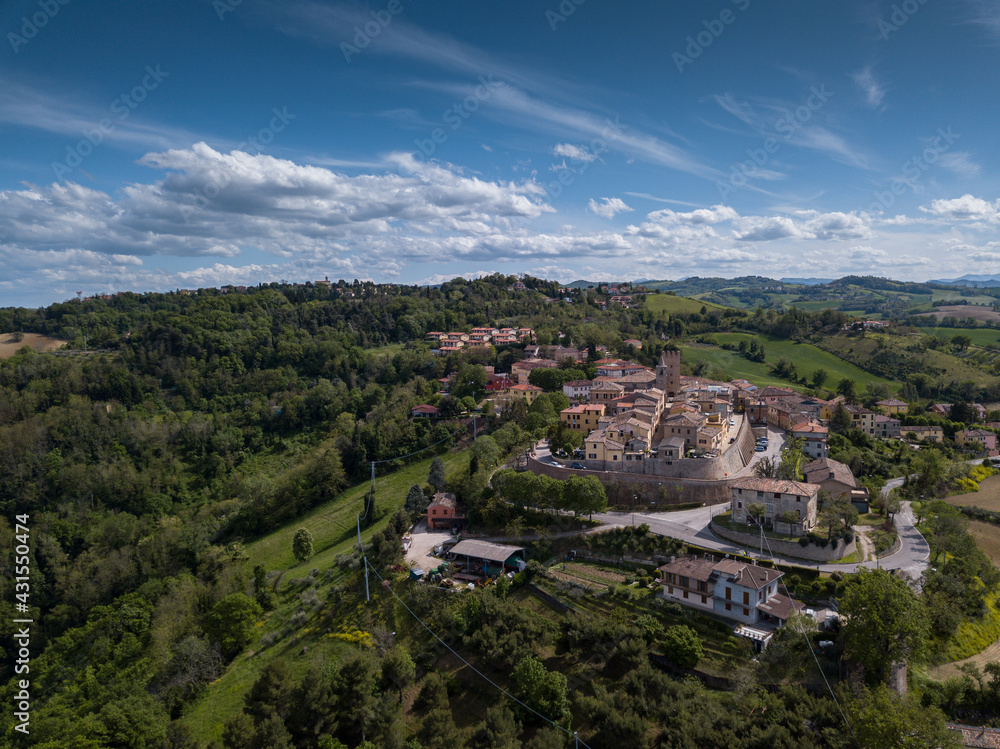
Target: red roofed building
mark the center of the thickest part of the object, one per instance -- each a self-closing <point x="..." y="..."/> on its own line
<point x="445" y="512"/>
<point x="425" y="412"/>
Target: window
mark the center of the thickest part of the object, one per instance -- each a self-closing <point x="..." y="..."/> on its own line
<point x="685" y="594"/>
<point x="684" y="581"/>
<point x="739" y="504"/>
<point x="777" y="495"/>
<point x="729" y="595"/>
<point x="704" y="600"/>
<point x="702" y="586"/>
<point x="746" y="597"/>
<point x="670" y="590"/>
<point x="746" y="612"/>
<point x="760" y="494"/>
<point x="729" y="607"/>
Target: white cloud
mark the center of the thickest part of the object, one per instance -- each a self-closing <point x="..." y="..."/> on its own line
<point x="569" y="151"/>
<point x="872" y="89"/>
<point x="964" y="208"/>
<point x="609" y="207"/>
<point x="960" y="163"/>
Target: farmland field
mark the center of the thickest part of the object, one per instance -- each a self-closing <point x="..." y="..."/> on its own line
<point x="987" y="498"/>
<point x="807" y="359"/>
<point x="980" y="336"/>
<point x="683" y="304"/>
<point x="9" y="347"/>
<point x="966" y="310"/>
<point x="732" y="364"/>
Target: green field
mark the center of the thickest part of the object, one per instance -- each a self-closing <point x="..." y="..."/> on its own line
<point x="333" y="526"/>
<point x="986" y="337"/>
<point x="734" y="365"/>
<point x="971" y="296"/>
<point x="807" y="359"/>
<point x="682" y="304"/>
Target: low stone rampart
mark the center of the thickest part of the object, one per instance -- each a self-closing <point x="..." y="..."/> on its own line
<point x="830" y="553"/>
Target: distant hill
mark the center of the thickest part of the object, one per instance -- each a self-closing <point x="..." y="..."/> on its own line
<point x="808" y="281"/>
<point x="971" y="280"/>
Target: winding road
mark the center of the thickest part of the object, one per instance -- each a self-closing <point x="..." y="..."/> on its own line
<point x="692" y="526"/>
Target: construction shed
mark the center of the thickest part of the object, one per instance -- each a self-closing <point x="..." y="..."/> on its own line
<point x="488" y="559"/>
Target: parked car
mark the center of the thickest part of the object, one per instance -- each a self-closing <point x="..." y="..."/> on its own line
<point x="578" y="466"/>
<point x="759" y="448"/>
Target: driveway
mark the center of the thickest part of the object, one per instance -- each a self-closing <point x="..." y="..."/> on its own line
<point x="423" y="540"/>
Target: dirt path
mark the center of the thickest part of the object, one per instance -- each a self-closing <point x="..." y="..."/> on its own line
<point x="866" y="548"/>
<point x="992" y="653"/>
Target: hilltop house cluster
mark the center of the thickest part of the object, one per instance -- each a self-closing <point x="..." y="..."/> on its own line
<point x="484" y="337"/>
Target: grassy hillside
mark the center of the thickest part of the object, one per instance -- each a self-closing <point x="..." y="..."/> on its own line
<point x="806" y="357"/>
<point x="874" y="349"/>
<point x="333" y="527"/>
<point x="671" y="303"/>
<point x="986" y="337"/>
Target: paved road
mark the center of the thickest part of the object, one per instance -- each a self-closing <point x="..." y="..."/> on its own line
<point x="692" y="526"/>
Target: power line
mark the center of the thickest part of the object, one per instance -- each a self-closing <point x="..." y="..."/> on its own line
<point x="809" y="646"/>
<point x="458" y="655"/>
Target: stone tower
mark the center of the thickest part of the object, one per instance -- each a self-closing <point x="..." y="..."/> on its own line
<point x="668" y="373"/>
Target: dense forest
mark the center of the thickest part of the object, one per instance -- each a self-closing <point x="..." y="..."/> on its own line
<point x="196" y="423"/>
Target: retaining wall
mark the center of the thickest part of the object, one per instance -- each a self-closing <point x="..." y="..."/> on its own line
<point x="830" y="553"/>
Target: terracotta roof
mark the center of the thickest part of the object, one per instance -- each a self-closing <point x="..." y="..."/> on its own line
<point x="784" y="486"/>
<point x="891" y="402"/>
<point x="696" y="569"/>
<point x="780" y="606"/>
<point x="578" y="383"/>
<point x="527" y="388"/>
<point x="444" y="499"/>
<point x="819" y="471"/>
<point x="749" y="575"/>
<point x="809" y="427"/>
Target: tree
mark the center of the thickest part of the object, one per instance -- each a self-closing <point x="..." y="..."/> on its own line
<point x="398" y="670"/>
<point x="819" y="377"/>
<point x="543" y="690"/>
<point x="882" y="719"/>
<point x="230" y="623"/>
<point x="416" y="502"/>
<point x="840" y="423"/>
<point x="846" y="387"/>
<point x="790" y="467"/>
<point x="767" y="468"/>
<point x="682" y="645"/>
<point x="790" y="518"/>
<point x="500" y="729"/>
<point x="302" y="545"/>
<point x="961" y="342"/>
<point x="584" y="495"/>
<point x="885" y="623"/>
<point x="436" y="477"/>
<point x="756" y="510"/>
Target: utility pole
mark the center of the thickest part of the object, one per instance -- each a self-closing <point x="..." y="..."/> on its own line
<point x="361" y="548"/>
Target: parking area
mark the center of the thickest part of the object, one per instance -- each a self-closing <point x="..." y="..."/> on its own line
<point x="422" y="543"/>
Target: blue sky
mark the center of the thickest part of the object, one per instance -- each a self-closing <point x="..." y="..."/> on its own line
<point x="197" y="143"/>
